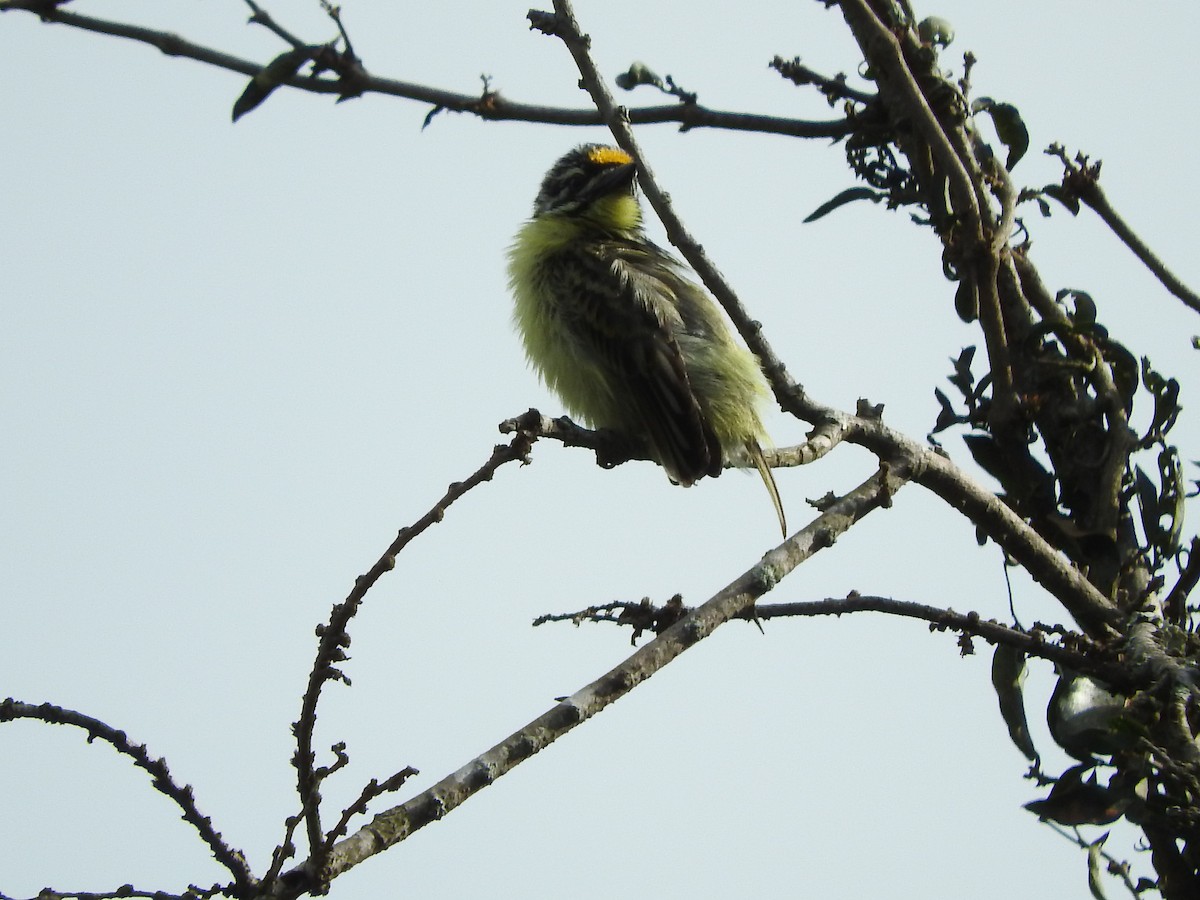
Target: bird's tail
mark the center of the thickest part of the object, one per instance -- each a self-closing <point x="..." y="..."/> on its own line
<point x="754" y="449"/>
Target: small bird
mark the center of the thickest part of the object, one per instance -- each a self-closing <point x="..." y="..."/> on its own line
<point x="618" y="329"/>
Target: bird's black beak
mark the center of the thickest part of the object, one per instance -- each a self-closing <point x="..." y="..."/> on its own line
<point x="612" y="180"/>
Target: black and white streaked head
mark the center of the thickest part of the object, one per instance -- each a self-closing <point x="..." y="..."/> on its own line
<point x="593" y="180"/>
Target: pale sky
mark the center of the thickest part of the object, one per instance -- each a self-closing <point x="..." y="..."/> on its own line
<point x="236" y="359"/>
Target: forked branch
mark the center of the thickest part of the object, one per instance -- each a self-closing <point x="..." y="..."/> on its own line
<point x="397" y="824"/>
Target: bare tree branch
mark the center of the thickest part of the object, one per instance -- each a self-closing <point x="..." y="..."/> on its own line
<point x="933" y="471"/>
<point x="1064" y="650"/>
<point x="334" y="638"/>
<point x="1033" y="643"/>
<point x="1095" y="198"/>
<point x="1081" y="178"/>
<point x="489" y="105"/>
<point x="397" y="824"/>
<point x="126" y="891"/>
<point x="613" y="448"/>
<point x="833" y="88"/>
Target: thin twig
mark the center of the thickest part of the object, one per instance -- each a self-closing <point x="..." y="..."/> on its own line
<point x="642" y="615"/>
<point x="286" y="848"/>
<point x="1093" y="195"/>
<point x="1032" y="643"/>
<point x="833" y="88"/>
<point x="1117" y="867"/>
<point x="232" y="859"/>
<point x="374" y="788"/>
<point x="335" y="13"/>
<point x="333" y="638"/>
<point x="1081" y="179"/>
<point x="126" y="891"/>
<point x="260" y="16"/>
<point x="899" y="88"/>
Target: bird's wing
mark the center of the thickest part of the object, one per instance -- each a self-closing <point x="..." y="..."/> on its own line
<point x="630" y="319"/>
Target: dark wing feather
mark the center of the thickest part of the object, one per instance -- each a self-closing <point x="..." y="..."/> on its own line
<point x="630" y="332"/>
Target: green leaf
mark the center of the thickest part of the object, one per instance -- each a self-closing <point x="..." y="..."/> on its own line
<point x="966" y="301"/>
<point x="1008" y="677"/>
<point x="1166" y="402"/>
<point x="847" y="196"/>
<point x="947" y="416"/>
<point x="1171" y="497"/>
<point x="963" y="378"/>
<point x="271" y="76"/>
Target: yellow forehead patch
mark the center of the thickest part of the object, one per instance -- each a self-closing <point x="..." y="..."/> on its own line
<point x="609" y="156"/>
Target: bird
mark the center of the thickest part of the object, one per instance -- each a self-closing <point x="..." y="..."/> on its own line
<point x="621" y="331"/>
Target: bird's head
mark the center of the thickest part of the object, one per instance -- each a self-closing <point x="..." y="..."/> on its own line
<point x="592" y="183"/>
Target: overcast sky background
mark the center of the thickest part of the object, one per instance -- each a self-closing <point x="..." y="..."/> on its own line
<point x="235" y="359"/>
